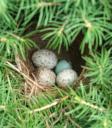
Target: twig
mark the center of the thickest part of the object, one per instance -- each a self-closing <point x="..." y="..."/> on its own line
<point x="2" y="107"/>
<point x="66" y="124"/>
<point x="83" y="102"/>
<point x="49" y="105"/>
<point x="47" y="124"/>
<point x="44" y="4"/>
<point x="24" y="75"/>
<point x="53" y="115"/>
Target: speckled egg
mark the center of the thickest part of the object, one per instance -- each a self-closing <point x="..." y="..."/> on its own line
<point x="45" y="77"/>
<point x="62" y="65"/>
<point x="44" y="58"/>
<point x="66" y="78"/>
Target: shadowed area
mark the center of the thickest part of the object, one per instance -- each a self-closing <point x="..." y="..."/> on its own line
<point x="73" y="54"/>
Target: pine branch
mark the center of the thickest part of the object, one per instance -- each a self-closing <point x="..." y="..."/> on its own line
<point x="14" y="44"/>
<point x="99" y="68"/>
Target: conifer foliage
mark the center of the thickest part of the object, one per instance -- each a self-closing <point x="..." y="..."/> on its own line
<point x="59" y="22"/>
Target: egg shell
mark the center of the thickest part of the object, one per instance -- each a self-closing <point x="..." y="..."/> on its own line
<point x="66" y="78"/>
<point x="45" y="77"/>
<point x="44" y="58"/>
<point x="62" y="65"/>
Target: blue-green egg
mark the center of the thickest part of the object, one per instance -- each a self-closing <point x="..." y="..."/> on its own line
<point x="62" y="65"/>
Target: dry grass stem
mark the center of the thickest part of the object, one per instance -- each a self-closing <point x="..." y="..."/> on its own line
<point x="31" y="85"/>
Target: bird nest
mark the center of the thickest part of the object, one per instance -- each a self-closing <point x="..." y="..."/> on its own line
<point x="26" y="68"/>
